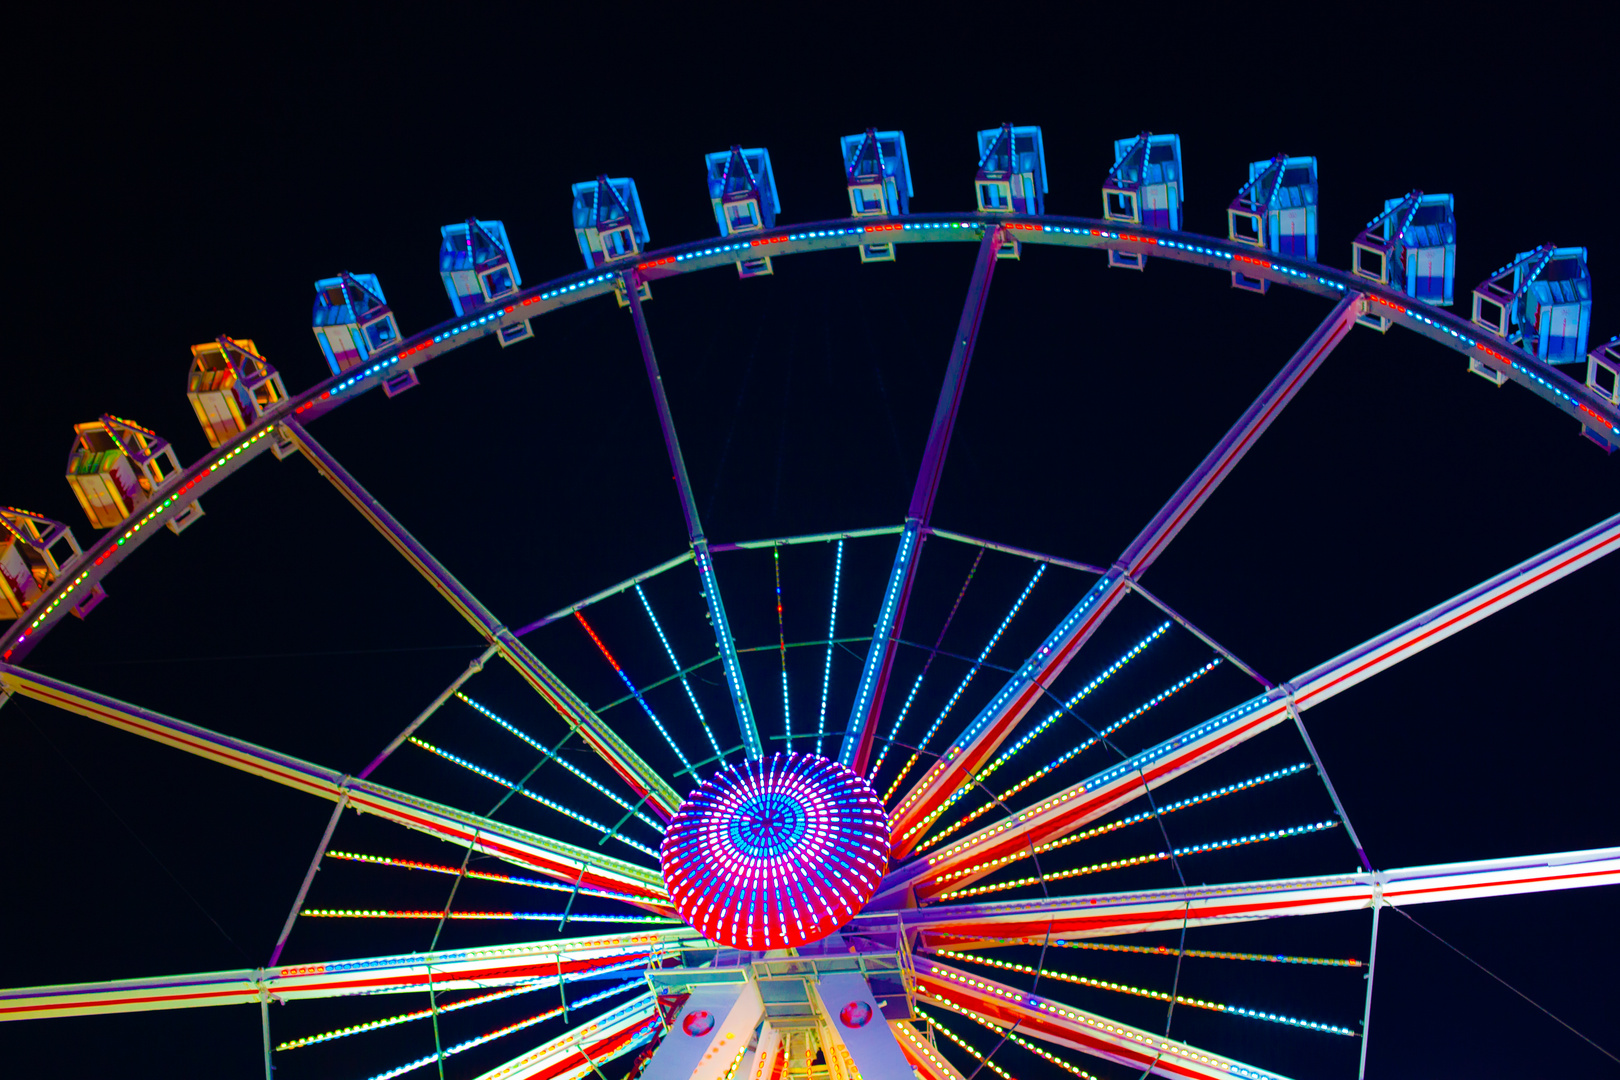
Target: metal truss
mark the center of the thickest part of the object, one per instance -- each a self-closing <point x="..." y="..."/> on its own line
<point x="856" y="749"/>
<point x="564" y="862"/>
<point x="999" y="719"/>
<point x="994" y="845"/>
<point x="635" y="772"/>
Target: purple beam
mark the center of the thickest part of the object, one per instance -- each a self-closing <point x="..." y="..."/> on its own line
<point x="856" y="750"/>
<point x="694" y="531"/>
<point x="636" y="773"/>
<point x="974" y="747"/>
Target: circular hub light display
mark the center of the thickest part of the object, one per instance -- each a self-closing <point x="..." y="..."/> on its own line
<point x="775" y="853"/>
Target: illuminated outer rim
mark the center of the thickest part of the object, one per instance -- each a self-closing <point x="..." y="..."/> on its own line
<point x="74" y="585"/>
<point x="777" y="852"/>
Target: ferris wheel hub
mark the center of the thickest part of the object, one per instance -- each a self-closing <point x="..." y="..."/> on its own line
<point x="776" y="852"/>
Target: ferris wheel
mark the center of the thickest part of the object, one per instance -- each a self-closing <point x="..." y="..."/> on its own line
<point x="873" y="882"/>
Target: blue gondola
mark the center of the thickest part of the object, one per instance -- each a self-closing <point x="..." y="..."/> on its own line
<point x="877" y="173"/>
<point x="1275" y="211"/>
<point x="1541" y="300"/>
<point x="1144" y="187"/>
<point x="1411" y="246"/>
<point x="478" y="268"/>
<point x="352" y="320"/>
<point x="1012" y="175"/>
<point x="742" y="190"/>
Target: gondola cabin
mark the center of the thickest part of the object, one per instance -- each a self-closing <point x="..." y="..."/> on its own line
<point x="877" y="175"/>
<point x="34" y="550"/>
<point x="116" y="467"/>
<point x="230" y="386"/>
<point x="742" y="191"/>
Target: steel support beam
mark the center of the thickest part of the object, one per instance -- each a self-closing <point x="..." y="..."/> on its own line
<point x="981" y="852"/>
<point x="457" y="969"/>
<point x="998" y="720"/>
<point x="555" y="859"/>
<point x="1064" y="1025"/>
<point x="856" y="751"/>
<point x="1072" y="918"/>
<point x="584" y="1048"/>
<point x="724" y="642"/>
<point x="635" y="772"/>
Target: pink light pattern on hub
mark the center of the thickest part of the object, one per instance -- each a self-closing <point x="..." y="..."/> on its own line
<point x="774" y="853"/>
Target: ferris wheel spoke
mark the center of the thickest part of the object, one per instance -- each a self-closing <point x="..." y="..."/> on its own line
<point x="694" y="530"/>
<point x="1023" y="691"/>
<point x="1105" y="791"/>
<point x="1061" y="918"/>
<point x="1042" y="1018"/>
<point x="586" y="1047"/>
<point x="512" y="844"/>
<point x="641" y="777"/>
<point x="598" y="956"/>
<point x="856" y="750"/>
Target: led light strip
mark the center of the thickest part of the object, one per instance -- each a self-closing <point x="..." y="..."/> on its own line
<point x="1156" y="995"/>
<point x="906" y="708"/>
<point x="1137" y="860"/>
<point x="679" y="672"/>
<point x="541" y="799"/>
<point x="781" y="645"/>
<point x="963" y="1043"/>
<point x="1013" y="1036"/>
<point x="551" y="756"/>
<point x="826" y="670"/>
<point x="635" y="692"/>
<point x="483" y="875"/>
<point x="480" y="1040"/>
<point x="483" y="916"/>
<point x="482" y="999"/>
<point x="966" y="679"/>
<point x="1006" y="755"/>
<point x="1073" y="751"/>
<point x="1145" y="815"/>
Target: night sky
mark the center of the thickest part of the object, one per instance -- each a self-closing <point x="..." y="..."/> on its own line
<point x="176" y="180"/>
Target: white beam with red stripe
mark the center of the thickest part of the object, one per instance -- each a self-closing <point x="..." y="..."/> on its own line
<point x="453" y="969"/>
<point x="582" y="1049"/>
<point x="954" y="770"/>
<point x="636" y="773"/>
<point x="521" y="847"/>
<point x="957" y="864"/>
<point x="1069" y="918"/>
<point x="1064" y="1025"/>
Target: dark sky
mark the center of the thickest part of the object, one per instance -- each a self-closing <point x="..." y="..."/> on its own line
<point x="178" y="179"/>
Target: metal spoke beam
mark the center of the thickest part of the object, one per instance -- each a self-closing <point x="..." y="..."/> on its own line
<point x="1072" y="918"/>
<point x="584" y="1048"/>
<point x="724" y="642"/>
<point x="563" y="862"/>
<point x="1001" y="716"/>
<point x="458" y="969"/>
<point x="982" y="851"/>
<point x="1064" y="1025"/>
<point x="856" y="750"/>
<point x="636" y="773"/>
